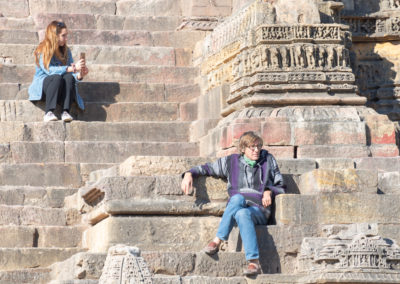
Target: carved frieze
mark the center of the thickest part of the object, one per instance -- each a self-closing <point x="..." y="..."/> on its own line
<point x="305" y="57"/>
<point x="367" y="28"/>
<point x="317" y="33"/>
<point x="362" y="252"/>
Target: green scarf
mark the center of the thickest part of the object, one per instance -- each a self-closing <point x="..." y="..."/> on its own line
<point x="251" y="163"/>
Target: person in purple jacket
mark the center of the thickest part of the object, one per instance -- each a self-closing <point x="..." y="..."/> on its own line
<point x="253" y="180"/>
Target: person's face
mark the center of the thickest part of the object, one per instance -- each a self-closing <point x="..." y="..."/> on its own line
<point x="253" y="151"/>
<point x="62" y="37"/>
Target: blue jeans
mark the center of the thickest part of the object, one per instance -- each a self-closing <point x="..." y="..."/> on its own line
<point x="246" y="218"/>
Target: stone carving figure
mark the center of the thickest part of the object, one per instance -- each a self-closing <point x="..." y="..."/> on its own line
<point x="310" y="55"/>
<point x="321" y="56"/>
<point x="256" y="59"/>
<point x="330" y="58"/>
<point x="274" y="57"/>
<point x="284" y="56"/>
<point x="298" y="56"/>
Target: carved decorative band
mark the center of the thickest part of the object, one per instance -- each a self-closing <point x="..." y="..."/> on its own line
<point x="282" y="33"/>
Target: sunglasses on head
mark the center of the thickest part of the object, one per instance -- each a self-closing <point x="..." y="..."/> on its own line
<point x="60" y="24"/>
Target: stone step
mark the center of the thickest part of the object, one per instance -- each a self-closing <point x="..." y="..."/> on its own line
<point x="117" y="152"/>
<point x="11" y="23"/>
<point x="103" y="92"/>
<point x="40" y="236"/>
<point x="93" y="131"/>
<point x="103" y="7"/>
<point x="35" y="275"/>
<point x="40" y="174"/>
<point x="19" y="36"/>
<point x="23" y="258"/>
<point x="109" y="22"/>
<point x="118" y="55"/>
<point x="35" y="196"/>
<point x="26" y="111"/>
<point x="31" y="215"/>
<point x="89" y="151"/>
<point x="338" y="208"/>
<point x="21" y="74"/>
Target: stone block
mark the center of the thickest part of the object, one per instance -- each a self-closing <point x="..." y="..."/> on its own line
<point x="18" y="215"/>
<point x="332" y="151"/>
<point x="110" y="37"/>
<point x="82" y="265"/>
<point x="148" y="8"/>
<point x="380" y="129"/>
<point x="181" y="93"/>
<point x="171" y="263"/>
<point x="151" y="23"/>
<point x="179" y="39"/>
<point x="389" y="182"/>
<point x="21" y="258"/>
<point x="200" y="128"/>
<point x="326" y="133"/>
<point x="59" y="236"/>
<point x="127" y="55"/>
<point x="197" y="8"/>
<point x="183" y="57"/>
<point x="384" y="150"/>
<point x="296" y="166"/>
<point x="18" y="36"/>
<point x="112" y="92"/>
<point x="230" y="136"/>
<point x="18" y="110"/>
<point x="34" y="275"/>
<point x="158" y="165"/>
<point x="17" y="54"/>
<point x="337" y="209"/>
<point x="8" y="91"/>
<point x="11" y="131"/>
<point x="335" y="163"/>
<point x="338" y="180"/>
<point x="152" y="233"/>
<point x="117" y="152"/>
<point x="102" y="7"/>
<point x="188" y="111"/>
<point x="71" y="20"/>
<point x="225" y="265"/>
<point x="41" y="175"/>
<point x="125" y="131"/>
<point x="139" y="74"/>
<point x="276" y="131"/>
<point x="17" y="236"/>
<point x="126" y="112"/>
<point x="17" y="9"/>
<point x="16" y="73"/>
<point x="44" y="132"/>
<point x="37" y="152"/>
<point x="379" y="164"/>
<point x="281" y="152"/>
<point x="5" y="153"/>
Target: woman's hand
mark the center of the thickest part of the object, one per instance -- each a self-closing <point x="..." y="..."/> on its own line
<point x="81" y="64"/>
<point x="187" y="183"/>
<point x="84" y="71"/>
<point x="266" y="200"/>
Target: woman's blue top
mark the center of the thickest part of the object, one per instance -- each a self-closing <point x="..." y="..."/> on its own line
<point x="56" y="67"/>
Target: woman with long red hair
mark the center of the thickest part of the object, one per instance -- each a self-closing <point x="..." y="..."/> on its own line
<point x="56" y="74"/>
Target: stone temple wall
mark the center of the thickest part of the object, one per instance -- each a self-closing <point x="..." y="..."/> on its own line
<point x="267" y="60"/>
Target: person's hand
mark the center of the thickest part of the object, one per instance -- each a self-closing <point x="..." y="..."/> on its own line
<point x="187" y="183"/>
<point x="84" y="71"/>
<point x="81" y="64"/>
<point x="266" y="200"/>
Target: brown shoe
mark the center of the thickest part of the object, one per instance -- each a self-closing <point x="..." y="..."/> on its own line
<point x="252" y="269"/>
<point x="211" y="248"/>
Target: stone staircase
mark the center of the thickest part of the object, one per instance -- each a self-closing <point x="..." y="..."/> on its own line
<point x="136" y="96"/>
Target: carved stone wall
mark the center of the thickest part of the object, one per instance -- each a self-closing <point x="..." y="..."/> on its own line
<point x="353" y="253"/>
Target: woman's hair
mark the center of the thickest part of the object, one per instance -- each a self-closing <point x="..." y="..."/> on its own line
<point x="247" y="139"/>
<point x="49" y="46"/>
